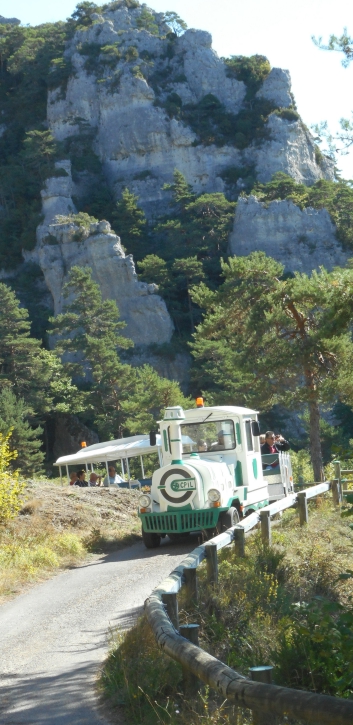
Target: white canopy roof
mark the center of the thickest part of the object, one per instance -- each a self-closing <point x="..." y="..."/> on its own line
<point x="111" y="450"/>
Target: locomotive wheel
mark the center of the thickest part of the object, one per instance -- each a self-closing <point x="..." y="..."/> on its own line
<point x="150" y="540"/>
<point x="228" y="518"/>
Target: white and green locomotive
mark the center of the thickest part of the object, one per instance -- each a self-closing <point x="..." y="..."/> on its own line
<point x="211" y="473"/>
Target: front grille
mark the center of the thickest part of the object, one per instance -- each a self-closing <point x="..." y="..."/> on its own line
<point x="179" y="522"/>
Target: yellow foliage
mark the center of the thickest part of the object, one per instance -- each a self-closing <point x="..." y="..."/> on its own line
<point x="11" y="487"/>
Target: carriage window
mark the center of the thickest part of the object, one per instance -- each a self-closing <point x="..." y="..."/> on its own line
<point x="248" y="433"/>
<point x="208" y="437"/>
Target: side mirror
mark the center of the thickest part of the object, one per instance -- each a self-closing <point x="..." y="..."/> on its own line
<point x="153" y="438"/>
<point x="255" y="428"/>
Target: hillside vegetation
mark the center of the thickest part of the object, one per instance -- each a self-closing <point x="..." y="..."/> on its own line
<point x="59" y="527"/>
<point x="280" y="605"/>
<point x="183" y="251"/>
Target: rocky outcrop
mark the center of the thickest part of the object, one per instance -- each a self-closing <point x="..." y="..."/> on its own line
<point x="301" y="239"/>
<point x="138" y="143"/>
<point x="277" y="88"/>
<point x="292" y="150"/>
<point x="63" y="243"/>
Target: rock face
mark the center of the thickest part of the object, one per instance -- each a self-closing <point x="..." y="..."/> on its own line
<point x="62" y="243"/>
<point x="126" y="67"/>
<point x="138" y="143"/>
<point x="301" y="239"/>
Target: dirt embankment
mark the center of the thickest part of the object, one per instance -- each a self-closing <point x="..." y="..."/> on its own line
<point x="59" y="526"/>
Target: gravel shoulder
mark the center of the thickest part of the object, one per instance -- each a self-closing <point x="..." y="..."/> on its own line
<point x="55" y="636"/>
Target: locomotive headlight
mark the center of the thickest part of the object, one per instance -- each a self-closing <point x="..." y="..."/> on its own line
<point x="144" y="501"/>
<point x="214" y="495"/>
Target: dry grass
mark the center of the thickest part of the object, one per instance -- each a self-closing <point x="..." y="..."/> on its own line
<point x="243" y="622"/>
<point x="58" y="527"/>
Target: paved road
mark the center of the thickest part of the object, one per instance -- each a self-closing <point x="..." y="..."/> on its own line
<point x="54" y="637"/>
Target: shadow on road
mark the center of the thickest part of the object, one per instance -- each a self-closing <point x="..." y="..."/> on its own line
<point x="139" y="551"/>
<point x="62" y="698"/>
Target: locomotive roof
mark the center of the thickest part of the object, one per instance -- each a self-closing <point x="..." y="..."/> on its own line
<point x="225" y="410"/>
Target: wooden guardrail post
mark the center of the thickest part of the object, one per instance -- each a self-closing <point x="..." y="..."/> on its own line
<point x="190" y="632"/>
<point x="336" y="492"/>
<point x="303" y="508"/>
<point x="239" y="541"/>
<point x="211" y="563"/>
<point x="265" y="521"/>
<point x="191" y="585"/>
<point x="262" y="674"/>
<point x="171" y="604"/>
<point x="337" y="470"/>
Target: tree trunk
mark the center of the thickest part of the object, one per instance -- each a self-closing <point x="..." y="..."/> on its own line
<point x="190" y="311"/>
<point x="315" y="444"/>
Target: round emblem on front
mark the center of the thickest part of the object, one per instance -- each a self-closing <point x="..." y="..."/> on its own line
<point x="177" y="485"/>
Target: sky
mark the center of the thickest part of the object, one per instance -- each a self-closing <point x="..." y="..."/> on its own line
<point x="279" y="29"/>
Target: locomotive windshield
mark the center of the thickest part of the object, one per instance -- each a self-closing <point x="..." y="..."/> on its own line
<point x="208" y="437"/>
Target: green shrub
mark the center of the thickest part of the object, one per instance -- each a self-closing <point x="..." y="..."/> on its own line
<point x="11" y="486"/>
<point x="315" y="648"/>
<point x="213" y="124"/>
<point x="319" y="157"/>
<point x="232" y="174"/>
<point x="289" y="114"/>
<point x="251" y="70"/>
<point x="173" y="105"/>
<point x="147" y="21"/>
<point x="110" y="54"/>
<point x="131" y="53"/>
<point x="92" y="52"/>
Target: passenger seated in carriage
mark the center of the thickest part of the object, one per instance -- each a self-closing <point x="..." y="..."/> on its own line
<point x="273" y="444"/>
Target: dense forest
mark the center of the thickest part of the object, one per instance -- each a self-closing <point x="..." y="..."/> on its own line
<point x="248" y="325"/>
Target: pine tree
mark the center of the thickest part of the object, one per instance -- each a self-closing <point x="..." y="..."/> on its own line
<point x="130" y="223"/>
<point x="182" y="191"/>
<point x="24" y="439"/>
<point x="123" y="399"/>
<point x="33" y="382"/>
<point x="188" y="272"/>
<point x="24" y="365"/>
<point x="151" y="395"/>
<point x="267" y="340"/>
<point x="89" y="330"/>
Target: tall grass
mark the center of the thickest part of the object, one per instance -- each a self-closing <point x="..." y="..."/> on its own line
<point x="33" y="553"/>
<point x="282" y="605"/>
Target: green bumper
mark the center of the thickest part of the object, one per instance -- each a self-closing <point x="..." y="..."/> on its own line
<point x="180" y="522"/>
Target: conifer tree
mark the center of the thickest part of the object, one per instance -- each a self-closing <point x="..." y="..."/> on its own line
<point x="33" y="383"/>
<point x="24" y="365"/>
<point x="130" y="223"/>
<point x="89" y="330"/>
<point x="182" y="191"/>
<point x="188" y="271"/>
<point x="24" y="439"/>
<point x="123" y="399"/>
<point x="267" y="340"/>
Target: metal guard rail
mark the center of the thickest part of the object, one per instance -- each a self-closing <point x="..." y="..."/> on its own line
<point x="245" y="693"/>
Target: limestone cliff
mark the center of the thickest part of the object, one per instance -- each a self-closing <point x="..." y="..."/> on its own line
<point x="122" y="78"/>
<point x="301" y="239"/>
<point x="134" y="96"/>
<point x="62" y="243"/>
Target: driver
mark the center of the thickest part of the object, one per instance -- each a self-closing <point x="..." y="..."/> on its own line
<point x="220" y="444"/>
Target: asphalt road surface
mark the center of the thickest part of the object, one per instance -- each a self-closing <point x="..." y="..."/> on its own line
<point x="54" y="637"/>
